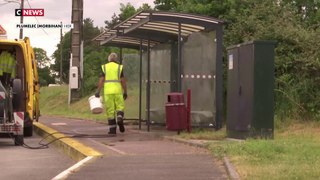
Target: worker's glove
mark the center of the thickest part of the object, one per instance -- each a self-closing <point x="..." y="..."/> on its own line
<point x="97" y="94"/>
<point x="125" y="95"/>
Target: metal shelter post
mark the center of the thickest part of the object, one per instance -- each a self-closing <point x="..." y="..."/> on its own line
<point x="179" y="59"/>
<point x="148" y="87"/>
<point x="140" y="84"/>
<point x="120" y="58"/>
<point x="219" y="79"/>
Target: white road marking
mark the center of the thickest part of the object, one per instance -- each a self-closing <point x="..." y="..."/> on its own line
<point x="67" y="172"/>
<point x="59" y="124"/>
<point x="109" y="147"/>
<point x="116" y="150"/>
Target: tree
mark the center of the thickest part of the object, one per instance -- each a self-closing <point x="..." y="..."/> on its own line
<point x="126" y="11"/>
<point x="89" y="32"/>
<point x="45" y="77"/>
<point x="41" y="57"/>
<point x="66" y="50"/>
<point x="166" y="5"/>
<point x="43" y="64"/>
<point x="297" y="60"/>
<point x="144" y="7"/>
<point x="308" y="11"/>
<point x="294" y="24"/>
<point x="114" y="21"/>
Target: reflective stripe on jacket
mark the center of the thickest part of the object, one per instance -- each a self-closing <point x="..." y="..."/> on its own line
<point x="112" y="83"/>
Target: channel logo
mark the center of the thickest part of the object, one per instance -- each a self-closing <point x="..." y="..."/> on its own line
<point x="29" y="12"/>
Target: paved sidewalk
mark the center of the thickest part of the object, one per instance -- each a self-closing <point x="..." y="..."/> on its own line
<point x="137" y="154"/>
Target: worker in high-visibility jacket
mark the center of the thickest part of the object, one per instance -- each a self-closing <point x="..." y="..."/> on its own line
<point x="115" y="92"/>
<point x="7" y="67"/>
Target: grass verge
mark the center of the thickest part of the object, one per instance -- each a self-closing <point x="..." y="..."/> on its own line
<point x="293" y="154"/>
<point x="205" y="134"/>
<point x="54" y="101"/>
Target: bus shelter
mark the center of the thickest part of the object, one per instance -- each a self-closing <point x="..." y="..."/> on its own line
<point x="178" y="51"/>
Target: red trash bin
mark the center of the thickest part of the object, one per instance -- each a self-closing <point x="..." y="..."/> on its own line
<point x="176" y="112"/>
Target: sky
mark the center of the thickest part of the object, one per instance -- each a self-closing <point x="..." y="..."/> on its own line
<point x="56" y="11"/>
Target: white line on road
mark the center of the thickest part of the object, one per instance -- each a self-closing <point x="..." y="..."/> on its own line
<point x="116" y="150"/>
<point x="109" y="147"/>
<point x="59" y="124"/>
<point x="65" y="173"/>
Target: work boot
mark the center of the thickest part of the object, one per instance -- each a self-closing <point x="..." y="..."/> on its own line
<point x="112" y="132"/>
<point x="120" y="121"/>
<point x="121" y="126"/>
<point x="112" y="127"/>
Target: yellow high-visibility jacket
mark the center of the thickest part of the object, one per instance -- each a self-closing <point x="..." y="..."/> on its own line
<point x="112" y="83"/>
<point x="7" y="64"/>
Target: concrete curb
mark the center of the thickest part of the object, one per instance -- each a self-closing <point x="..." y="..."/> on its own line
<point x="179" y="140"/>
<point x="71" y="147"/>
<point x="232" y="173"/>
<point x="230" y="169"/>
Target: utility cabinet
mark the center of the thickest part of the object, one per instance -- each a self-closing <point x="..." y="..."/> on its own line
<point x="74" y="79"/>
<point x="250" y="90"/>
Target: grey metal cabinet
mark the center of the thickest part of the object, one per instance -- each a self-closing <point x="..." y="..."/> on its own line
<point x="250" y="90"/>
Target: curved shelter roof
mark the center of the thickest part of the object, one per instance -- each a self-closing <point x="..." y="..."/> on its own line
<point x="157" y="27"/>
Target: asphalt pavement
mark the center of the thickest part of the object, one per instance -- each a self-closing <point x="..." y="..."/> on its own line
<point x="19" y="163"/>
<point x="135" y="154"/>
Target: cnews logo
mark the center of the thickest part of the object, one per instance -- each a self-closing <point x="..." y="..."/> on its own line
<point x="29" y="12"/>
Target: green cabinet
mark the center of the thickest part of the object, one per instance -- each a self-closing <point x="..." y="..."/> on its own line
<point x="250" y="90"/>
